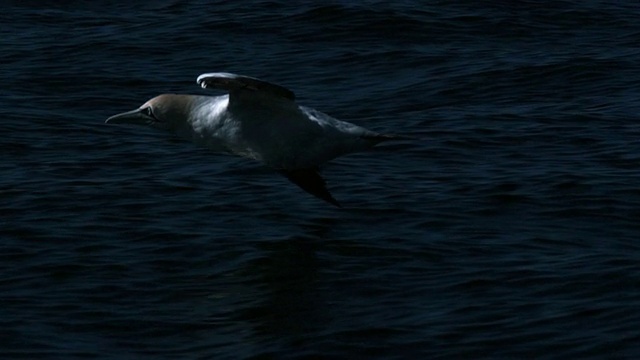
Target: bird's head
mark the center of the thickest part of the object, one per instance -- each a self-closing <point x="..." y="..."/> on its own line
<point x="164" y="112"/>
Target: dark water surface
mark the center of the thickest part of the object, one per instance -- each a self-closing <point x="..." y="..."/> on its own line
<point x="509" y="229"/>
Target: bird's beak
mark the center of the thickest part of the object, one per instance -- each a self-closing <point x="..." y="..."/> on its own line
<point x="135" y="117"/>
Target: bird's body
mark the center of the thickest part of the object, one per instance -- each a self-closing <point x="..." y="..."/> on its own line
<point x="257" y="120"/>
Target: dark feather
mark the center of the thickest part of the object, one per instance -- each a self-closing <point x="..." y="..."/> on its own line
<point x="310" y="181"/>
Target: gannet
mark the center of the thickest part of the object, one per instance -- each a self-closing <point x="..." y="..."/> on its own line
<point x="257" y="120"/>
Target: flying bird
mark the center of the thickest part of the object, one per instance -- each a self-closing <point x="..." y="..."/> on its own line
<point x="257" y="120"/>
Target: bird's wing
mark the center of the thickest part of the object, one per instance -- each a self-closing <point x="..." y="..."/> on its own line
<point x="310" y="181"/>
<point x="233" y="82"/>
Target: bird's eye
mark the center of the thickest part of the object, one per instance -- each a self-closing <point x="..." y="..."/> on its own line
<point x="147" y="111"/>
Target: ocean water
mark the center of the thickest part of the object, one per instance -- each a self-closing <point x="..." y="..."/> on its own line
<point x="509" y="228"/>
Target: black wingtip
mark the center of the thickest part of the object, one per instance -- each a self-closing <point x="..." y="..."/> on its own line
<point x="310" y="181"/>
